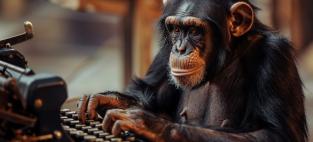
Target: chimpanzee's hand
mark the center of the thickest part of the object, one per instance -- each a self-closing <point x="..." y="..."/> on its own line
<point x="137" y="121"/>
<point x="90" y="104"/>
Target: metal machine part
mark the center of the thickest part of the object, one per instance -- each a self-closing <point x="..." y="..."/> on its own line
<point x="29" y="103"/>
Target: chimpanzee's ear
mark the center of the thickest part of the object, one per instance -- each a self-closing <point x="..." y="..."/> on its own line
<point x="241" y="19"/>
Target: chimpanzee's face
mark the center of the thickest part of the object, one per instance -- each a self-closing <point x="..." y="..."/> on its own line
<point x="190" y="25"/>
<point x="192" y="45"/>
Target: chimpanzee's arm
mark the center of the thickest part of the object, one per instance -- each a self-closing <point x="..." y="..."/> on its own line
<point x="157" y="129"/>
<point x="185" y="133"/>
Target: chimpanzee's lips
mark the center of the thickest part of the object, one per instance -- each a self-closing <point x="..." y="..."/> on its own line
<point x="185" y="72"/>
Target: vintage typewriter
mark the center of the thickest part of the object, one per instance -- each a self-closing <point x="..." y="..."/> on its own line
<point x="30" y="103"/>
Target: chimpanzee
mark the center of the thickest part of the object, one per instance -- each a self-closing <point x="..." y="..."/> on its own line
<point x="220" y="76"/>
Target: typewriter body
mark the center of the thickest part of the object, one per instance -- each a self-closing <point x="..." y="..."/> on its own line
<point x="29" y="103"/>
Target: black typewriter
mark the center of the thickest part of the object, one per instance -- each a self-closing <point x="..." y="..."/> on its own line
<point x="30" y="104"/>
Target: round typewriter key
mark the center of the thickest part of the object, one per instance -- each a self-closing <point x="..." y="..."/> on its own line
<point x="79" y="126"/>
<point x="70" y="113"/>
<point x="90" y="138"/>
<point x="63" y="117"/>
<point x="73" y="133"/>
<point x="73" y="123"/>
<point x="72" y="129"/>
<point x="64" y="110"/>
<point x="99" y="140"/>
<point x="99" y="126"/>
<point x="69" y="130"/>
<point x="93" y="124"/>
<point x="103" y="135"/>
<point x="109" y="137"/>
<point x="80" y="135"/>
<point x="85" y="128"/>
<point x="67" y="121"/>
<point x="75" y="116"/>
<point x="90" y="131"/>
<point x="65" y="127"/>
<point x="89" y="121"/>
<point x="116" y="140"/>
<point x="97" y="132"/>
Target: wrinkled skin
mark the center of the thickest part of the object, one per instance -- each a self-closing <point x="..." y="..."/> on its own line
<point x="141" y="122"/>
<point x="132" y="119"/>
<point x="88" y="105"/>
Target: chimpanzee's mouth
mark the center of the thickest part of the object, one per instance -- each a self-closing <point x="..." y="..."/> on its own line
<point x="185" y="72"/>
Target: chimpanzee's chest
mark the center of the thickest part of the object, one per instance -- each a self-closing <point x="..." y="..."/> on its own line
<point x="205" y="107"/>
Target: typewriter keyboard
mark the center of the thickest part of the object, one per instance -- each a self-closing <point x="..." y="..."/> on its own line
<point x="91" y="131"/>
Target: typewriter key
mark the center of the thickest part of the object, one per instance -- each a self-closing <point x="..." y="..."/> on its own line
<point x="80" y="135"/>
<point x="109" y="137"/>
<point x="89" y="138"/>
<point x="97" y="132"/>
<point x="99" y="140"/>
<point x="116" y="140"/>
<point x="67" y="121"/>
<point x="103" y="135"/>
<point x="65" y="127"/>
<point x="73" y="133"/>
<point x="75" y="116"/>
<point x="79" y="126"/>
<point x="63" y="117"/>
<point x="64" y="110"/>
<point x="89" y="121"/>
<point x="99" y="126"/>
<point x="73" y="123"/>
<point x="70" y="113"/>
<point x="93" y="124"/>
<point x="85" y="128"/>
<point x="90" y="131"/>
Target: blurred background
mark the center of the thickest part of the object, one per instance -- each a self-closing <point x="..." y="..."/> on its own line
<point x="98" y="45"/>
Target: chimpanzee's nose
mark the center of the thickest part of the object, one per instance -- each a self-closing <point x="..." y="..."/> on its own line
<point x="181" y="48"/>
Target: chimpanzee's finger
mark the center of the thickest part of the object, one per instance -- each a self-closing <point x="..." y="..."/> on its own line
<point x="82" y="106"/>
<point x="93" y="103"/>
<point x="111" y="116"/>
<point x="112" y="101"/>
<point x="132" y="126"/>
<point x="120" y="126"/>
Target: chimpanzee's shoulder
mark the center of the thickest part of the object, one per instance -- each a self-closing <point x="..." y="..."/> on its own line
<point x="275" y="42"/>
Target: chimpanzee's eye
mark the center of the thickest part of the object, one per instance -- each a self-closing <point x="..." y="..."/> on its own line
<point x="194" y="31"/>
<point x="172" y="28"/>
<point x="176" y="29"/>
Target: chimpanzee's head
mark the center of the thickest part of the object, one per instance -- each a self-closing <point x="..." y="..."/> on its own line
<point x="197" y="31"/>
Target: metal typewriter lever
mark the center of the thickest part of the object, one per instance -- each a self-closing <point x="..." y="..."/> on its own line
<point x="28" y="34"/>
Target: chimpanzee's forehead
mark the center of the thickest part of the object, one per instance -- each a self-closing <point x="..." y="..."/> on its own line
<point x="213" y="11"/>
<point x="197" y="8"/>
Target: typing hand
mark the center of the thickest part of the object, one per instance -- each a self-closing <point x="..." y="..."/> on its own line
<point x="138" y="121"/>
<point x="89" y="105"/>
